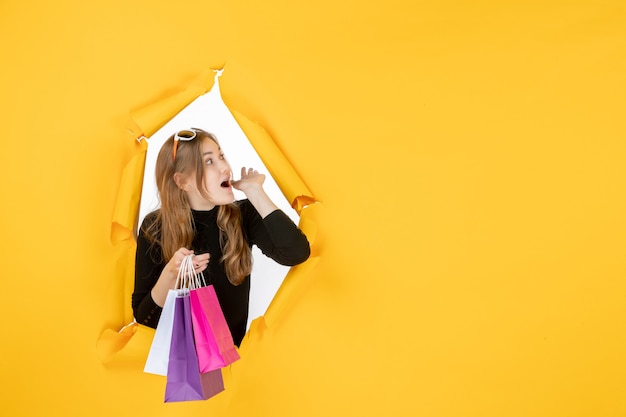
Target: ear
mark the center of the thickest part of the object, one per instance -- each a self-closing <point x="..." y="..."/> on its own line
<point x="181" y="181"/>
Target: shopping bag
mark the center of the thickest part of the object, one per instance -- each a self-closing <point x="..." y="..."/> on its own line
<point x="185" y="382"/>
<point x="209" y="356"/>
<point x="159" y="354"/>
<point x="206" y="299"/>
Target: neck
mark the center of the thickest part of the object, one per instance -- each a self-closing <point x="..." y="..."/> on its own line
<point x="197" y="202"/>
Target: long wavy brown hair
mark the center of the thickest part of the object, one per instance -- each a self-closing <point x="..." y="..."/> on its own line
<point x="173" y="227"/>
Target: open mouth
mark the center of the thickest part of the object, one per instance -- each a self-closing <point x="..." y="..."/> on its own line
<point x="225" y="184"/>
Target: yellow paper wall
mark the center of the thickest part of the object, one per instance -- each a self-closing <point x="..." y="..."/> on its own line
<point x="468" y="156"/>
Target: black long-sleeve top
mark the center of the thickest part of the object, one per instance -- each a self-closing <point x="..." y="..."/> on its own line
<point x="276" y="235"/>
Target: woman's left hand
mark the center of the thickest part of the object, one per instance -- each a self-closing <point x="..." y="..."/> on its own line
<point x="251" y="183"/>
<point x="250" y="180"/>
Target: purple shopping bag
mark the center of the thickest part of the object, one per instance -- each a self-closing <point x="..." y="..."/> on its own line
<point x="185" y="382"/>
<point x="206" y="298"/>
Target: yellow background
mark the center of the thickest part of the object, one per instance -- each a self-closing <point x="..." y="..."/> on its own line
<point x="468" y="157"/>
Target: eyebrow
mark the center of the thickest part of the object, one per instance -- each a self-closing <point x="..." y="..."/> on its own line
<point x="211" y="152"/>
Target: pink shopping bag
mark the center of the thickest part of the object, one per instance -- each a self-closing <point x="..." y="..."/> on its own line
<point x="209" y="355"/>
<point x="205" y="299"/>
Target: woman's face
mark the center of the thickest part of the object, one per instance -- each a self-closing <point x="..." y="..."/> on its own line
<point x="217" y="175"/>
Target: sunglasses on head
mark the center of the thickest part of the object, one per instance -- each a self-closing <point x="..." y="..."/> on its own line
<point x="186" y="135"/>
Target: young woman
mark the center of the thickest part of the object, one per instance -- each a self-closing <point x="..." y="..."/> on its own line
<point x="199" y="216"/>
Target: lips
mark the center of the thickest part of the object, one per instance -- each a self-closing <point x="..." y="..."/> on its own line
<point x="225" y="184"/>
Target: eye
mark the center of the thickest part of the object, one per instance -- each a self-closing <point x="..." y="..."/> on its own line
<point x="208" y="161"/>
<point x="222" y="156"/>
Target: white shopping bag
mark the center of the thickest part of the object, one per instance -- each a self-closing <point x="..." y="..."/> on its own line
<point x="159" y="355"/>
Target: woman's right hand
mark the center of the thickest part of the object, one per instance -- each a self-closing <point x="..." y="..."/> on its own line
<point x="167" y="280"/>
<point x="200" y="262"/>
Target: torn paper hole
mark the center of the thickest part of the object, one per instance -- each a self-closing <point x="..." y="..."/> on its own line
<point x="209" y="112"/>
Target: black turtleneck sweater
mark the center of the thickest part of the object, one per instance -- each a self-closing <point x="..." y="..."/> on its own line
<point x="276" y="235"/>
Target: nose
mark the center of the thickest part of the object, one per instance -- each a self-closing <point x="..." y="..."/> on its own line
<point x="225" y="168"/>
